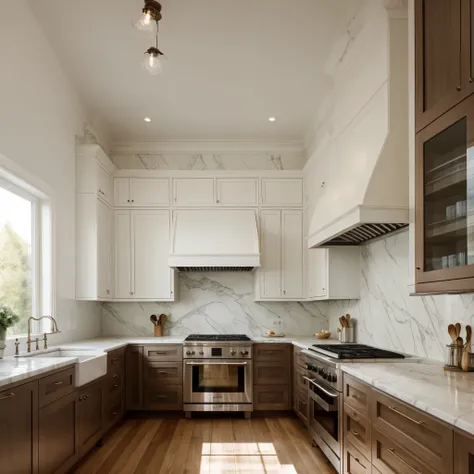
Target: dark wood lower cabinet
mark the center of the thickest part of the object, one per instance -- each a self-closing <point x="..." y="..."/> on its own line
<point x="463" y="454"/>
<point x="19" y="429"/>
<point x="58" y="435"/>
<point x="90" y="417"/>
<point x="134" y="376"/>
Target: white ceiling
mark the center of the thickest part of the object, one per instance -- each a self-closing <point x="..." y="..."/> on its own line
<point x="231" y="65"/>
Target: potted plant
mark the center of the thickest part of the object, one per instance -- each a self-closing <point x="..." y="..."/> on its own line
<point x="7" y="319"/>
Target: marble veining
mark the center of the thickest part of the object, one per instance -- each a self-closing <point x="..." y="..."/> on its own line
<point x="388" y="317"/>
<point x="210" y="161"/>
<point x="214" y="303"/>
<point x="448" y="396"/>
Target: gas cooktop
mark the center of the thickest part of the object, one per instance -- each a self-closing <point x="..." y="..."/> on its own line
<point x="217" y="338"/>
<point x="354" y="351"/>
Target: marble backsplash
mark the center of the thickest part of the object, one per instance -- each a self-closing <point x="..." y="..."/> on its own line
<point x="388" y="317"/>
<point x="215" y="303"/>
<point x="211" y="161"/>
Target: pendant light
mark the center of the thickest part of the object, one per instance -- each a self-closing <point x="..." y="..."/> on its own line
<point x="151" y="15"/>
<point x="152" y="60"/>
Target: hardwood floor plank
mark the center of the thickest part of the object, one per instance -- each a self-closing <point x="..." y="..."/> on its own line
<point x="175" y="460"/>
<point x="200" y="443"/>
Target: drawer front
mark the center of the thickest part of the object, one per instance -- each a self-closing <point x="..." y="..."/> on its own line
<point x="56" y="386"/>
<point x="357" y="430"/>
<point x="115" y="384"/>
<point x="158" y="397"/>
<point x="301" y="406"/>
<point x="113" y="411"/>
<point x="357" y="395"/>
<point x="267" y="397"/>
<point x="420" y="433"/>
<point x="354" y="461"/>
<point x="271" y="352"/>
<point x="116" y="360"/>
<point x="271" y="373"/>
<point x="390" y="458"/>
<point x="170" y="373"/>
<point x="163" y="353"/>
<point x="299" y="358"/>
<point x="300" y="382"/>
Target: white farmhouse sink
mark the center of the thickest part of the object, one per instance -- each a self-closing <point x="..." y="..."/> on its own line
<point x="90" y="365"/>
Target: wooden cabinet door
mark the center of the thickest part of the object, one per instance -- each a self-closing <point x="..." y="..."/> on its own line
<point x="58" y="441"/>
<point x="149" y="192"/>
<point x="19" y="429"/>
<point x="104" y="252"/>
<point x="90" y="416"/>
<point x="439" y="81"/>
<point x="463" y="454"/>
<point x="467" y="15"/>
<point x="151" y="276"/>
<point x="282" y="192"/>
<point x="444" y="184"/>
<point x="192" y="192"/>
<point x="123" y="255"/>
<point x="292" y="253"/>
<point x="270" y="373"/>
<point x="237" y="191"/>
<point x="134" y="378"/>
<point x="122" y="192"/>
<point x="270" y="238"/>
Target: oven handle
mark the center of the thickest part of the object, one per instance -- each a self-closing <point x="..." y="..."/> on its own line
<point x="216" y="363"/>
<point x="327" y="392"/>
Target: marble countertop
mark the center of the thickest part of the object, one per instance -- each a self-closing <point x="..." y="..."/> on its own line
<point x="13" y="370"/>
<point x="448" y="396"/>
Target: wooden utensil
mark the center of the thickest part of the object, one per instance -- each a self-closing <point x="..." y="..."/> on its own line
<point x="343" y="321"/>
<point x="466" y="354"/>
<point x="458" y="329"/>
<point x="163" y="318"/>
<point x="459" y="341"/>
<point x="348" y="320"/>
<point x="452" y="332"/>
<point x="468" y="336"/>
<point x="154" y="319"/>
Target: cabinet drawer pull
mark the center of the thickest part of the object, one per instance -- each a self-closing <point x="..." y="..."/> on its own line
<point x="159" y="352"/>
<point x="355" y="433"/>
<point x="10" y="395"/>
<point x="394" y="454"/>
<point x="114" y="361"/>
<point x="396" y="410"/>
<point x="59" y="382"/>
<point x="162" y="372"/>
<point x="116" y="385"/>
<point x="114" y="413"/>
<point x="161" y="397"/>
<point x="114" y="376"/>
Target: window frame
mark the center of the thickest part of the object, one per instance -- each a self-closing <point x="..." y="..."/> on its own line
<point x="22" y="183"/>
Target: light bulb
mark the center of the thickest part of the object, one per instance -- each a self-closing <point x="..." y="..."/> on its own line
<point x="146" y="24"/>
<point x="152" y="63"/>
<point x="147" y="18"/>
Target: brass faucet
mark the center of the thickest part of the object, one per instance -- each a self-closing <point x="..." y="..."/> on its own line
<point x="54" y="329"/>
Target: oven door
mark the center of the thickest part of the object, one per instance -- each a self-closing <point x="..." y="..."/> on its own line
<point x="324" y="416"/>
<point x="217" y="382"/>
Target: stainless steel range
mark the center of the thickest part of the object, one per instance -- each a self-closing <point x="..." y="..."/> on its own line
<point x="217" y="373"/>
<point x="325" y="387"/>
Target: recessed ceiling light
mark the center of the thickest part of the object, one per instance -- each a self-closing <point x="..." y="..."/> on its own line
<point x="147" y="119"/>
<point x="272" y="119"/>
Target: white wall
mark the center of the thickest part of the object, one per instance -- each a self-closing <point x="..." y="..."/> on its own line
<point x="40" y="115"/>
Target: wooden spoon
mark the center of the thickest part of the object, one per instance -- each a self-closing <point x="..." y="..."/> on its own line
<point x="452" y="332"/>
<point x="458" y="341"/>
<point x="154" y="319"/>
<point x="466" y="354"/>
<point x="468" y="336"/>
<point x="458" y="329"/>
<point x="348" y="320"/>
<point x="163" y="319"/>
<point x="343" y="321"/>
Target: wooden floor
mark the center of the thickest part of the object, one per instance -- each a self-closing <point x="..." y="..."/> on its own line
<point x="155" y="445"/>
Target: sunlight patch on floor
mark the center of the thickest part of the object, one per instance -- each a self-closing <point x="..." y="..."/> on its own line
<point x="220" y="458"/>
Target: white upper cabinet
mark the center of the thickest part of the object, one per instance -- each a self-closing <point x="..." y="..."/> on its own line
<point x="94" y="249"/>
<point x="141" y="255"/>
<point x="237" y="192"/>
<point x="142" y="192"/>
<point x="94" y="172"/>
<point x="193" y="192"/>
<point x="282" y="192"/>
<point x="281" y="240"/>
<point x="292" y="253"/>
<point x="333" y="273"/>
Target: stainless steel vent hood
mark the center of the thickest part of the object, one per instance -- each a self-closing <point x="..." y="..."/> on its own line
<point x="214" y="240"/>
<point x="367" y="195"/>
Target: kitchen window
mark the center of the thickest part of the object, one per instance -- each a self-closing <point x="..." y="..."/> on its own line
<point x="25" y="255"/>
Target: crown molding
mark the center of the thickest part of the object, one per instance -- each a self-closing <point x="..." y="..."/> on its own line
<point x="199" y="147"/>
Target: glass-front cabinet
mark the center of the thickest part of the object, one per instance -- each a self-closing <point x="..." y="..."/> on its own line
<point x="444" y="208"/>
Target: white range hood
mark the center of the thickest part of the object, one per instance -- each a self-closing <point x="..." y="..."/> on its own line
<point x="367" y="194"/>
<point x="214" y="240"/>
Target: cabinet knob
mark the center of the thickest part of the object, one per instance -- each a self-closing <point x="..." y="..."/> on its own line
<point x="458" y="88"/>
<point x="133" y="200"/>
<point x="107" y="291"/>
<point x="217" y="200"/>
<point x="132" y="293"/>
<point x="128" y="200"/>
<point x="471" y="79"/>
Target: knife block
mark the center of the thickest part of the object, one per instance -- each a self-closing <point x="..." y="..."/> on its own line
<point x="158" y="331"/>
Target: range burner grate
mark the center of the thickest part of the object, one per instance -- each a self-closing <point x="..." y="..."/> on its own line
<point x="217" y="338"/>
<point x="354" y="351"/>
